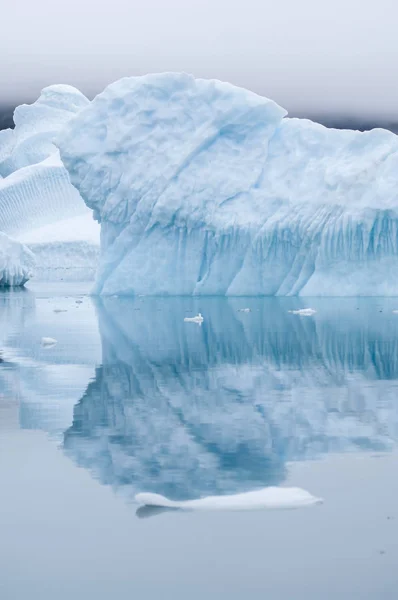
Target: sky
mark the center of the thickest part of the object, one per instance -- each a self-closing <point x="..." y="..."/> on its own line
<point x="311" y="56"/>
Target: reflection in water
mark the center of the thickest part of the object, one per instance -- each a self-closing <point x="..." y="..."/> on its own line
<point x="44" y="384"/>
<point x="16" y="307"/>
<point x="188" y="411"/>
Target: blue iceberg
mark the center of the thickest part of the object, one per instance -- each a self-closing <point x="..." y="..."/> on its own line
<point x="203" y="188"/>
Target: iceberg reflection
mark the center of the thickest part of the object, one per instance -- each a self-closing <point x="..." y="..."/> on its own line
<point x="189" y="411"/>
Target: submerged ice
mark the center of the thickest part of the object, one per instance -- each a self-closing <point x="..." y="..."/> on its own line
<point x="205" y="188"/>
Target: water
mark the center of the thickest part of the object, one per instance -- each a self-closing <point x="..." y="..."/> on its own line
<point x="132" y="399"/>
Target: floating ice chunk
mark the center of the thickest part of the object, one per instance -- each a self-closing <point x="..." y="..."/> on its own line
<point x="303" y="312"/>
<point x="60" y="310"/>
<point x="198" y="319"/>
<point x="245" y="310"/>
<point x="395" y="312"/>
<point x="267" y="498"/>
<point x="48" y="342"/>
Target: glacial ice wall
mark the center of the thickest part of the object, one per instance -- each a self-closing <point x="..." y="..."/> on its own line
<point x="205" y="188"/>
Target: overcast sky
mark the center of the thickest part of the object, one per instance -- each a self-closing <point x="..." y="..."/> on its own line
<point x="311" y="56"/>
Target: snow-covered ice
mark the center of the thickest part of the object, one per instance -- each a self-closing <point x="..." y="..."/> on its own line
<point x="16" y="262"/>
<point x="266" y="498"/>
<point x="205" y="188"/>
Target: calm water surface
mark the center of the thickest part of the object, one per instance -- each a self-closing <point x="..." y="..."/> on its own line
<point x="133" y="399"/>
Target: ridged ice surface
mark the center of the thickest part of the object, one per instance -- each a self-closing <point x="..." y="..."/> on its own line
<point x="37" y="195"/>
<point x="205" y="188"/>
<point x="16" y="262"/>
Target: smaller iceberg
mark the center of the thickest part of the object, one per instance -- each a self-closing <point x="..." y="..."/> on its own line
<point x="38" y="205"/>
<point x="16" y="262"/>
<point x="266" y="498"/>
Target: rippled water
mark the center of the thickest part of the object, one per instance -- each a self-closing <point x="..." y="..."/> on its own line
<point x="142" y="401"/>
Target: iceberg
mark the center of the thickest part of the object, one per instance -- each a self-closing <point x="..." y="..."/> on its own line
<point x="16" y="262"/>
<point x="203" y="188"/>
<point x="38" y="204"/>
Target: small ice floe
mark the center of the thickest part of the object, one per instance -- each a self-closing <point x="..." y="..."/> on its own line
<point x="395" y="312"/>
<point x="48" y="342"/>
<point x="244" y="310"/>
<point x="266" y="498"/>
<point x="59" y="310"/>
<point x="198" y="319"/>
<point x="303" y="312"/>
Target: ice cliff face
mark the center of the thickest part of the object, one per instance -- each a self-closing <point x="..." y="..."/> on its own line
<point x="35" y="190"/>
<point x="205" y="188"/>
<point x="16" y="262"/>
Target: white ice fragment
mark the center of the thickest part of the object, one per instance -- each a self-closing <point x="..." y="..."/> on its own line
<point x="266" y="498"/>
<point x="303" y="312"/>
<point x="198" y="319"/>
<point x="48" y="342"/>
<point x="245" y="310"/>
